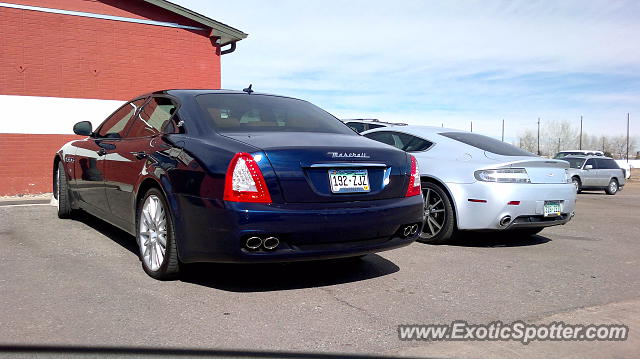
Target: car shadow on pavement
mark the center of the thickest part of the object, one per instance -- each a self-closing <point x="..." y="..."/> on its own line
<point x="114" y="233"/>
<point x="266" y="277"/>
<point x="260" y="277"/>
<point x="496" y="239"/>
<point x="592" y="193"/>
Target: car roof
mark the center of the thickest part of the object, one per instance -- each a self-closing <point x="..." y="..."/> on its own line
<point x="417" y="130"/>
<point x="196" y="92"/>
<point x="373" y="121"/>
<point x="584" y="151"/>
<point x="585" y="157"/>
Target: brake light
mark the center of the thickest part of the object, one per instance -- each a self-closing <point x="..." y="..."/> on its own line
<point x="244" y="181"/>
<point x="414" y="188"/>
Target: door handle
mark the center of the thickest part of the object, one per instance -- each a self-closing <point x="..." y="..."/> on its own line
<point x="139" y="155"/>
<point x="102" y="152"/>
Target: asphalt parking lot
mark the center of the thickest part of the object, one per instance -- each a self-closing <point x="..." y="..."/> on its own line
<point x="79" y="282"/>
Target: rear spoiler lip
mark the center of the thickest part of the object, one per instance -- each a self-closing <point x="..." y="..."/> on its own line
<point x="535" y="163"/>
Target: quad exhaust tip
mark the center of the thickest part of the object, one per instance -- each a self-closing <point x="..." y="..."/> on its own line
<point x="407" y="231"/>
<point x="271" y="243"/>
<point x="504" y="221"/>
<point x="253" y="243"/>
<point x="410" y="230"/>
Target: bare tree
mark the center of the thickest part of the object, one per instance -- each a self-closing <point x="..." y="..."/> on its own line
<point x="528" y="141"/>
<point x="561" y="135"/>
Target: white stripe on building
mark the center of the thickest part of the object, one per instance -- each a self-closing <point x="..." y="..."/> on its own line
<point x="51" y="115"/>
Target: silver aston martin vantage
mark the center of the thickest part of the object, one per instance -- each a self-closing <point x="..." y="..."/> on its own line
<point x="473" y="182"/>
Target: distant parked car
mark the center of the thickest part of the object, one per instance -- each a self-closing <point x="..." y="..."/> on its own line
<point x="595" y="173"/>
<point x="566" y="153"/>
<point x="626" y="167"/>
<point x="472" y="182"/>
<point x="363" y="124"/>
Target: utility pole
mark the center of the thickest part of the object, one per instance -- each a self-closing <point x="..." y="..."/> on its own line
<point x="580" y="132"/>
<point x="558" y="144"/>
<point x="538" y="136"/>
<point x="442" y="125"/>
<point x="603" y="144"/>
<point x="471" y="126"/>
<point x="628" y="120"/>
<point x="503" y="130"/>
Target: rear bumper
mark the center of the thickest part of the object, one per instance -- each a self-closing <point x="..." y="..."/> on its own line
<point x="215" y="231"/>
<point x="528" y="213"/>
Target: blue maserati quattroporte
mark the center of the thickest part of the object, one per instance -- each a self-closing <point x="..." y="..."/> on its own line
<point x="237" y="176"/>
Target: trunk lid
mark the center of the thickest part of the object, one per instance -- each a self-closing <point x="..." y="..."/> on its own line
<point x="540" y="170"/>
<point x="302" y="161"/>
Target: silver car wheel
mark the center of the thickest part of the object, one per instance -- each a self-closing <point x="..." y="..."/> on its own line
<point x="434" y="213"/>
<point x="613" y="187"/>
<point x="576" y="183"/>
<point x="153" y="232"/>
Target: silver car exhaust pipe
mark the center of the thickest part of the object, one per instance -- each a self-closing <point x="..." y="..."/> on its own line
<point x="505" y="221"/>
<point x="253" y="243"/>
<point x="407" y="231"/>
<point x="271" y="243"/>
<point x="414" y="229"/>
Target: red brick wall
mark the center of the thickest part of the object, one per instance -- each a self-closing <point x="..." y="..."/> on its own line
<point x="43" y="54"/>
<point x="54" y="55"/>
<point x="26" y="162"/>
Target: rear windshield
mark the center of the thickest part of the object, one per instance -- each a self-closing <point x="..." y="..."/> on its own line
<point x="263" y="113"/>
<point x="574" y="162"/>
<point x="487" y="144"/>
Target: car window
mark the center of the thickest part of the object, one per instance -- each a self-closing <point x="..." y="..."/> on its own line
<point x="605" y="163"/>
<point x="384" y="137"/>
<point x="356" y="126"/>
<point x="412" y="143"/>
<point x="116" y="124"/>
<point x="154" y="117"/>
<point x="574" y="162"/>
<point x="372" y="126"/>
<point x="233" y="113"/>
<point x="487" y="144"/>
<point x="592" y="162"/>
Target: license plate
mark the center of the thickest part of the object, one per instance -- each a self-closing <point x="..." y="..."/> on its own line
<point x="552" y="208"/>
<point x="349" y="181"/>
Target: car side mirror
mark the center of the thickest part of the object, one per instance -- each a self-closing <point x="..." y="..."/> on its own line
<point x="83" y="128"/>
<point x="588" y="167"/>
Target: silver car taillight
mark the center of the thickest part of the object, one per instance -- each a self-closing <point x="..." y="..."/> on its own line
<point x="507" y="175"/>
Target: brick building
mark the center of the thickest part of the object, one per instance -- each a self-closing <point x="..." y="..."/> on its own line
<point x="64" y="61"/>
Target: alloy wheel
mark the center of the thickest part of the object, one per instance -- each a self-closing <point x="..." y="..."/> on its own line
<point x="153" y="232"/>
<point x="434" y="213"/>
<point x="613" y="187"/>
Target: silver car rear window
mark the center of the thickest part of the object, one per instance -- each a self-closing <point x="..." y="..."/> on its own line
<point x="486" y="143"/>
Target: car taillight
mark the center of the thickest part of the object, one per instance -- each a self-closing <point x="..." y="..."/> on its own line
<point x="414" y="181"/>
<point x="244" y="181"/>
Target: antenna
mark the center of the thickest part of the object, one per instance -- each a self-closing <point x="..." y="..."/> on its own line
<point x="248" y="90"/>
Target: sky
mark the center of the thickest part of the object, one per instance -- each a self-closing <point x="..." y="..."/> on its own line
<point x="443" y="62"/>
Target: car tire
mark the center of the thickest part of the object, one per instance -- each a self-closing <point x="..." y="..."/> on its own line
<point x="438" y="211"/>
<point x="152" y="229"/>
<point x="528" y="231"/>
<point x="576" y="182"/>
<point x="62" y="195"/>
<point x="612" y="188"/>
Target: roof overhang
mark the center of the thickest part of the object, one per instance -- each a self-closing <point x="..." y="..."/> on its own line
<point x="226" y="33"/>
